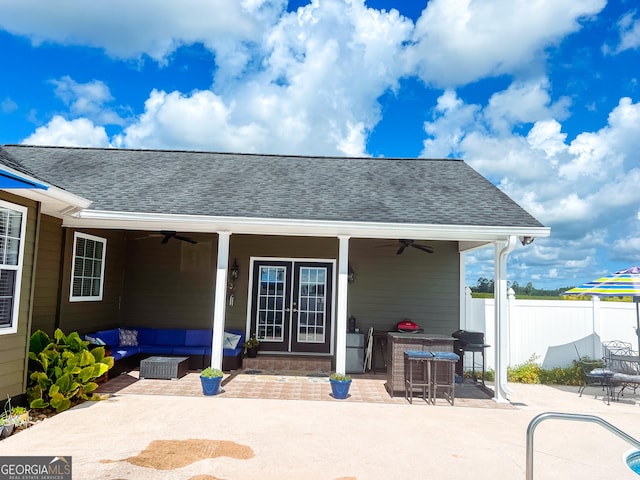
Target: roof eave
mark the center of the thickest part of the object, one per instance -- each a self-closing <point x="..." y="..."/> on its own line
<point x="296" y="227"/>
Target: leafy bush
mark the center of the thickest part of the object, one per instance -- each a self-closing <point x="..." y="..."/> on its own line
<point x="62" y="370"/>
<point x="528" y="372"/>
<point x="531" y="372"/>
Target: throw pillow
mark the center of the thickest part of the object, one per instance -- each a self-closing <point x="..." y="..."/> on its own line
<point x="128" y="338"/>
<point x="230" y="340"/>
<point x="94" y="340"/>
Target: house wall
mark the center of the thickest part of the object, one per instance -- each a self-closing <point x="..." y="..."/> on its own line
<point x="173" y="284"/>
<point x="85" y="317"/>
<point x="48" y="274"/>
<point x="416" y="285"/>
<point x="169" y="285"/>
<point x="13" y="347"/>
<point x="387" y="287"/>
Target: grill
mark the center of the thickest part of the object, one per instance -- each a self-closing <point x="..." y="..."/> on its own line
<point x="469" y="342"/>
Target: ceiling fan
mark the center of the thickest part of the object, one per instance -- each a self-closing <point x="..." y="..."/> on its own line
<point x="404" y="243"/>
<point x="168" y="235"/>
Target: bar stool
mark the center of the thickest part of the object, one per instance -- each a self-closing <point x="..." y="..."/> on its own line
<point x="412" y="357"/>
<point x="443" y="362"/>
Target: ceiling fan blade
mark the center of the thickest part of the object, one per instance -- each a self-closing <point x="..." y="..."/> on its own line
<point x="401" y="249"/>
<point x="424" y="248"/>
<point x="185" y="239"/>
<point x="165" y="239"/>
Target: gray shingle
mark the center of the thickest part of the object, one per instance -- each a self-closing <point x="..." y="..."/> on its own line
<point x="422" y="191"/>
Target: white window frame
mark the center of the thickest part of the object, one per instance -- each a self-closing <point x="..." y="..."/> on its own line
<point x="13" y="327"/>
<point x="87" y="298"/>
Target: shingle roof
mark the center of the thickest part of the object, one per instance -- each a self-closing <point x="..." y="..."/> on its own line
<point x="422" y="191"/>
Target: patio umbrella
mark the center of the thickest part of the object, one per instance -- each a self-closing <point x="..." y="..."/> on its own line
<point x="624" y="283"/>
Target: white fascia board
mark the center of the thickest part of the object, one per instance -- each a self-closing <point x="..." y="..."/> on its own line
<point x="55" y="201"/>
<point x="294" y="227"/>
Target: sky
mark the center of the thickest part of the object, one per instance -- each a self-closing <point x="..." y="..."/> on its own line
<point x="540" y="97"/>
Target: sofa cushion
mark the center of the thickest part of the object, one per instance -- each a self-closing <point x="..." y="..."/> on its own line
<point x="193" y="350"/>
<point x="146" y="336"/>
<point x="198" y="338"/>
<point x="231" y="340"/>
<point x="158" y="349"/>
<point x="128" y="338"/>
<point x="94" y="340"/>
<point x="110" y="337"/>
<point x="123" y="352"/>
<point x="170" y="336"/>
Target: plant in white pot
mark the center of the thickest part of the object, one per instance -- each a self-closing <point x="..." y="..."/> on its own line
<point x="210" y="378"/>
<point x="340" y="384"/>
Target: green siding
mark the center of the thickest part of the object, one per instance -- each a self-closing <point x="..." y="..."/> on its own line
<point x="416" y="285"/>
<point x="46" y="296"/>
<point x="13" y="347"/>
<point x="169" y="285"/>
<point x="85" y="317"/>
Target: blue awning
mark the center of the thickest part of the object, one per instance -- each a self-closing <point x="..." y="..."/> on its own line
<point x="9" y="180"/>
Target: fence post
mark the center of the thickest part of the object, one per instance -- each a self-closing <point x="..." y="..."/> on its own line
<point x="467" y="319"/>
<point x="595" y="327"/>
<point x="511" y="302"/>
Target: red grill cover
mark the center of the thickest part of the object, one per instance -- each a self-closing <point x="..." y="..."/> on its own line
<point x="407" y="326"/>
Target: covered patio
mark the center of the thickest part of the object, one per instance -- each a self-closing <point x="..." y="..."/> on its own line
<point x="288" y="385"/>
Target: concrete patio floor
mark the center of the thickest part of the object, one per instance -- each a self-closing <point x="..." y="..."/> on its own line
<point x="296" y="437"/>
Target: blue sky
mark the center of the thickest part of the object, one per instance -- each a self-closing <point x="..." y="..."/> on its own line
<point x="540" y="97"/>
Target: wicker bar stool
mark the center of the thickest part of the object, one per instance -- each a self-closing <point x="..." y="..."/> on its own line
<point x="443" y="362"/>
<point x="423" y="361"/>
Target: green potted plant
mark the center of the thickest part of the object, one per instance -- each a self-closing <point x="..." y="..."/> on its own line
<point x="251" y="346"/>
<point x="340" y="384"/>
<point x="210" y="379"/>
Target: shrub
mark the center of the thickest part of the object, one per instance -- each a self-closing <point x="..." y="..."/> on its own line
<point x="528" y="372"/>
<point x="62" y="370"/>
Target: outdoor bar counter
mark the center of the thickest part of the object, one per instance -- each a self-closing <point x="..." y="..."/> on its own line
<point x="398" y="343"/>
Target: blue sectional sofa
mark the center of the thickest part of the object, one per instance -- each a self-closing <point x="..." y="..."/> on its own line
<point x="134" y="343"/>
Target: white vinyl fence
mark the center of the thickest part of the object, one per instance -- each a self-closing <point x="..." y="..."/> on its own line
<point x="553" y="331"/>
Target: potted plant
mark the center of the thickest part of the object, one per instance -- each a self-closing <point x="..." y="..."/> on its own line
<point x="340" y="384"/>
<point x="251" y="346"/>
<point x="210" y="379"/>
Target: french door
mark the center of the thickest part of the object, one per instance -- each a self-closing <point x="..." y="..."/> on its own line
<point x="291" y="305"/>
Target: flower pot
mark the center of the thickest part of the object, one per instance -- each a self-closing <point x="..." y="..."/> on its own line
<point x="210" y="385"/>
<point x="340" y="388"/>
<point x="252" y="352"/>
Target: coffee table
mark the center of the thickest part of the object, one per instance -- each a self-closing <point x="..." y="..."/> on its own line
<point x="167" y="368"/>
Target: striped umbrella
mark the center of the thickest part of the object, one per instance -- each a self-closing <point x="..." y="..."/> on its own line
<point x="624" y="283"/>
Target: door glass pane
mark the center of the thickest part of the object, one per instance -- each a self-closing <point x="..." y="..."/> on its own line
<point x="312" y="301"/>
<point x="270" y="321"/>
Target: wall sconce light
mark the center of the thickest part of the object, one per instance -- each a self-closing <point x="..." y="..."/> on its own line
<point x="233" y="275"/>
<point x="235" y="270"/>
<point x="526" y="240"/>
<point x="351" y="276"/>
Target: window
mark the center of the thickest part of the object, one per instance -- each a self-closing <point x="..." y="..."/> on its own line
<point x="87" y="270"/>
<point x="12" y="233"/>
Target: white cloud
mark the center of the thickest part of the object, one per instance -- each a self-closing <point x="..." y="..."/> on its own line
<point x="87" y="100"/>
<point x="8" y="105"/>
<point x="126" y="29"/>
<point x="462" y="41"/>
<point x="304" y="98"/>
<point x="71" y="133"/>
<point x="629" y="32"/>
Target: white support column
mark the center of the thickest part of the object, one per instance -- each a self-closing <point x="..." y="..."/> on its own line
<point x="501" y="349"/>
<point x="220" y="299"/>
<point x="341" y="311"/>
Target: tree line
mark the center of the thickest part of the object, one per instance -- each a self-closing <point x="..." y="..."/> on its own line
<point x="485" y="285"/>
